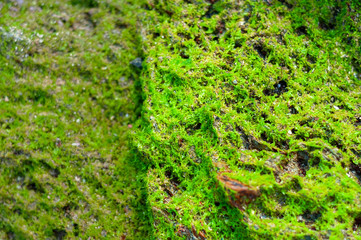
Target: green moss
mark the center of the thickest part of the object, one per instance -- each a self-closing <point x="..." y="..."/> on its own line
<point x="264" y="92"/>
<point x="270" y="92"/>
<point x="67" y="96"/>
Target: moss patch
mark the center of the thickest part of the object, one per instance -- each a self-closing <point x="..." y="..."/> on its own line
<point x="67" y="99"/>
<point x="266" y="93"/>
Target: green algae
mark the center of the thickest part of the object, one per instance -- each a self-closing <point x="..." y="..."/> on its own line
<point x="67" y="97"/>
<point x="267" y="93"/>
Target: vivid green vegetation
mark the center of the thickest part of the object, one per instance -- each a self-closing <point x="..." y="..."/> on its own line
<point x="264" y="92"/>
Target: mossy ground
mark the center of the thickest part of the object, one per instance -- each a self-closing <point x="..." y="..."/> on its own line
<point x="67" y="97"/>
<point x="264" y="92"/>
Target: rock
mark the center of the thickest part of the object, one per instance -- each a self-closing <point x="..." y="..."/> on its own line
<point x="20" y="2"/>
<point x="137" y="63"/>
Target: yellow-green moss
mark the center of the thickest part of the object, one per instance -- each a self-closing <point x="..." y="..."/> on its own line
<point x="268" y="91"/>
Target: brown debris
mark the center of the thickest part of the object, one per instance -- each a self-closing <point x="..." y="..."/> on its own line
<point x="180" y="141"/>
<point x="183" y="231"/>
<point x="202" y="235"/>
<point x="241" y="189"/>
<point x="194" y="231"/>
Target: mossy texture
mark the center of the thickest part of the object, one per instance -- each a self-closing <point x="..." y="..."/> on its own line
<point x="244" y="119"/>
<point x="67" y="97"/>
<point x="264" y="92"/>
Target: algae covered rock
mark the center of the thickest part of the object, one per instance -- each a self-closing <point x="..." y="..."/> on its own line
<point x="66" y="99"/>
<point x="258" y="97"/>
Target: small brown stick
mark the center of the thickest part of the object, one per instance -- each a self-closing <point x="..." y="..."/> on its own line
<point x="242" y="190"/>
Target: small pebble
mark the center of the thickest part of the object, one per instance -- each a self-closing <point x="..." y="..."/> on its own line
<point x="137" y="62"/>
<point x="20" y="2"/>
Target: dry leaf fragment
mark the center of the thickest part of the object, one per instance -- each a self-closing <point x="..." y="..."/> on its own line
<point x="241" y="189"/>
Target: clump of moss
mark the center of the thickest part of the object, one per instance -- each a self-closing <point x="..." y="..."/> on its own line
<point x="266" y="93"/>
